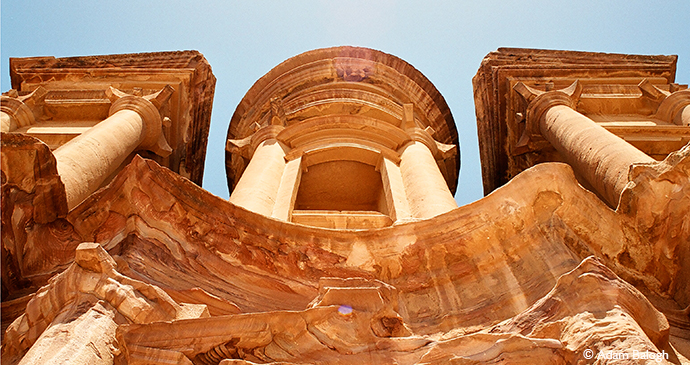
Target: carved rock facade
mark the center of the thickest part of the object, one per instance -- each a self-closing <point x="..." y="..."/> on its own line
<point x="339" y="243"/>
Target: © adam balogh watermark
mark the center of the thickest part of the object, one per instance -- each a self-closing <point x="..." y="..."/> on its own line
<point x="625" y="355"/>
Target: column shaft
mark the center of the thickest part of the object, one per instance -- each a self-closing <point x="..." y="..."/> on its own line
<point x="596" y="154"/>
<point x="8" y="123"/>
<point x="685" y="116"/>
<point x="257" y="189"/>
<point x="427" y="192"/>
<point x="87" y="160"/>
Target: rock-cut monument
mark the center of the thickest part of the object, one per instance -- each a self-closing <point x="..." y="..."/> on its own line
<point x="341" y="242"/>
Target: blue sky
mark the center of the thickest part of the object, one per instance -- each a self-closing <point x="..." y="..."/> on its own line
<point x="445" y="40"/>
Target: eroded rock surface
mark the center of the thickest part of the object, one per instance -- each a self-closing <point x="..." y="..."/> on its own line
<point x="494" y="287"/>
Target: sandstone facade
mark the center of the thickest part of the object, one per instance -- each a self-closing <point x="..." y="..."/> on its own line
<point x="341" y="241"/>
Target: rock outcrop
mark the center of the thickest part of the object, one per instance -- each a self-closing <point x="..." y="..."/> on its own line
<point x="423" y="293"/>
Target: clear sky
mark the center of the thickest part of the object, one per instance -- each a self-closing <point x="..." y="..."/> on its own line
<point x="242" y="40"/>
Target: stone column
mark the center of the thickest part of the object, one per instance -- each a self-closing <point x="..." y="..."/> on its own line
<point x="599" y="156"/>
<point x="18" y="111"/>
<point x="9" y="124"/>
<point x="675" y="108"/>
<point x="87" y="160"/>
<point x="257" y="189"/>
<point x="427" y="192"/>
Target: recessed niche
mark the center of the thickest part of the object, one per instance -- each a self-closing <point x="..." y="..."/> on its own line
<point x="341" y="186"/>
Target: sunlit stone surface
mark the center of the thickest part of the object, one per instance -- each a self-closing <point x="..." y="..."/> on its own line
<point x="341" y="241"/>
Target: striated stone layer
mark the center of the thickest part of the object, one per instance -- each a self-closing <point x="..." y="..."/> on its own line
<point x="479" y="284"/>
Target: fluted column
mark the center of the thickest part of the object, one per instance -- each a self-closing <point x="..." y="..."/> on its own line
<point x="257" y="189"/>
<point x="87" y="160"/>
<point x="427" y="191"/>
<point x="599" y="156"/>
<point x="18" y="111"/>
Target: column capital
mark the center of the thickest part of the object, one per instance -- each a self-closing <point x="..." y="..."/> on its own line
<point x="440" y="151"/>
<point x="423" y="136"/>
<point x="265" y="133"/>
<point x="148" y="108"/>
<point x="540" y="101"/>
<point x="670" y="108"/>
<point x="245" y="147"/>
<point x="21" y="109"/>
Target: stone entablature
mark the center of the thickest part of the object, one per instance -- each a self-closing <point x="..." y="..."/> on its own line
<point x="633" y="97"/>
<point x="69" y="96"/>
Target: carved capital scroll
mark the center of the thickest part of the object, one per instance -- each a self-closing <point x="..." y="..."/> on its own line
<point x="672" y="108"/>
<point x="19" y="111"/>
<point x="540" y="101"/>
<point x="148" y="108"/>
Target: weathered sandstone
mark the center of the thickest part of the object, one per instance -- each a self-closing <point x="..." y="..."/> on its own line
<point x="339" y="243"/>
